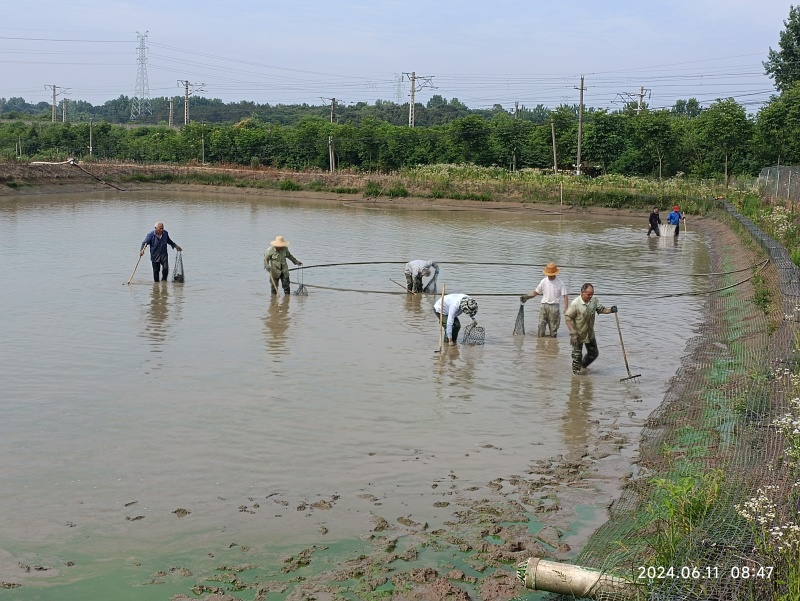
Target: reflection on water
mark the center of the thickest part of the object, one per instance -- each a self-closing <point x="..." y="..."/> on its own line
<point x="166" y="298"/>
<point x="276" y="325"/>
<point x="576" y="417"/>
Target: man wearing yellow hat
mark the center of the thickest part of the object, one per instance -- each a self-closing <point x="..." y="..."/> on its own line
<point x="552" y="289"/>
<point x="275" y="262"/>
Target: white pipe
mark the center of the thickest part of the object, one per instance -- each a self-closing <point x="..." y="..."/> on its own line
<point x="575" y="581"/>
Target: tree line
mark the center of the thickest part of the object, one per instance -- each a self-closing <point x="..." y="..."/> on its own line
<point x="703" y="142"/>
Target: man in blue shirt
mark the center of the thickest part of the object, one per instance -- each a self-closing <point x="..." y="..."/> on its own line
<point x="158" y="240"/>
<point x="674" y="218"/>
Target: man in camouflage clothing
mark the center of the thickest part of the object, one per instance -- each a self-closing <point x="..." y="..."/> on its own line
<point x="275" y="262"/>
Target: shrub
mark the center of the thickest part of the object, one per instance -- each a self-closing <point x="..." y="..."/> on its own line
<point x="316" y="186"/>
<point x="372" y="188"/>
<point x="289" y="185"/>
<point x="397" y="189"/>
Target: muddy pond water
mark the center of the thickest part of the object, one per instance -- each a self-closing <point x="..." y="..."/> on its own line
<point x="149" y="426"/>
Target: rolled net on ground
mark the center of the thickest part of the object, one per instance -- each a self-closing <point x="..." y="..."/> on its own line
<point x="177" y="274"/>
<point x="714" y="437"/>
<point x="519" y="325"/>
<point x="474" y="335"/>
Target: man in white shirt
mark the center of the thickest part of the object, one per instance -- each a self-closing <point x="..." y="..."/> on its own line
<point x="415" y="271"/>
<point x="454" y="305"/>
<point x="552" y="289"/>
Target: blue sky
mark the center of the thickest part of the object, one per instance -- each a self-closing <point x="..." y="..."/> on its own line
<point x="482" y="53"/>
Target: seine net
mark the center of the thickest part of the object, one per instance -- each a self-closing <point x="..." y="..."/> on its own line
<point x="519" y="325"/>
<point x="430" y="286"/>
<point x="177" y="274"/>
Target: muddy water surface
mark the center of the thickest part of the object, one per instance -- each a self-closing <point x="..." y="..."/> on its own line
<point x="152" y="425"/>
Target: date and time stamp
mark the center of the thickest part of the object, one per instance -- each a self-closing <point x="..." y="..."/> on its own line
<point x="651" y="573"/>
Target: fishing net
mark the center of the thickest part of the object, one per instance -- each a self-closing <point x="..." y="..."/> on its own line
<point x="177" y="274"/>
<point x="301" y="289"/>
<point x="474" y="335"/>
<point x="519" y="325"/>
<point x="430" y="286"/>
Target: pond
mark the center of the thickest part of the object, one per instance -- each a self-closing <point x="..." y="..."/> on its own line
<point x="148" y="426"/>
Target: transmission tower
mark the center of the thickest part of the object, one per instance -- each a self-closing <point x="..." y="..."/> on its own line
<point x="141" y="98"/>
<point x="398" y="87"/>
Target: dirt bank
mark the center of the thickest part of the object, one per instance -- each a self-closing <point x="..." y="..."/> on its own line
<point x="20" y="180"/>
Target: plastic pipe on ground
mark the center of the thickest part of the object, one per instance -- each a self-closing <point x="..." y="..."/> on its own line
<point x="575" y="581"/>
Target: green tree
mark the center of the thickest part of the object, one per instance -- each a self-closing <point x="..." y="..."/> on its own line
<point x="604" y="138"/>
<point x="471" y="136"/>
<point x="687" y="108"/>
<point x="653" y="134"/>
<point x="776" y="132"/>
<point x="783" y="65"/>
<point x="724" y="131"/>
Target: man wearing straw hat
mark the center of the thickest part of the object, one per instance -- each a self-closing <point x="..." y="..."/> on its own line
<point x="552" y="289"/>
<point x="275" y="262"/>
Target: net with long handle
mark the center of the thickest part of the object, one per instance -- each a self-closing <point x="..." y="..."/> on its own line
<point x="474" y="335"/>
<point x="519" y="325"/>
<point x="177" y="274"/>
<point x="301" y="289"/>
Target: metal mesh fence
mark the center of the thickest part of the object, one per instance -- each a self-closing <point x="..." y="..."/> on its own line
<point x="710" y="447"/>
<point x="780" y="182"/>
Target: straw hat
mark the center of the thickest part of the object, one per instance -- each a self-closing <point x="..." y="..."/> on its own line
<point x="279" y="242"/>
<point x="551" y="269"/>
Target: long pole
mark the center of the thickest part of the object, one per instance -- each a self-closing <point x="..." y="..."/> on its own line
<point x="441" y="322"/>
<point x="580" y="128"/>
<point x="555" y="156"/>
<point x="135" y="268"/>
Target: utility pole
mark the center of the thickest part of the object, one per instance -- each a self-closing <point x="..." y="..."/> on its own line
<point x="555" y="156"/>
<point x="90" y="137"/>
<point x="427" y="82"/>
<point x="331" y="155"/>
<point x="141" y="98"/>
<point x="64" y="110"/>
<point x="195" y="88"/>
<point x="580" y="128"/>
<point x="514" y="155"/>
<point x="642" y="90"/>
<point x="333" y="107"/>
<point x="171" y="110"/>
<point x="413" y="78"/>
<point x="55" y="94"/>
